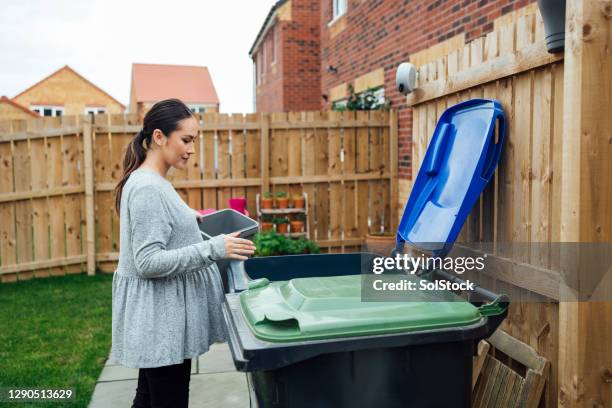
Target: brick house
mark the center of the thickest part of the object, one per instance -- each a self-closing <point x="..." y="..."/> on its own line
<point x="286" y="60"/>
<point x="11" y="110"/>
<point x="360" y="45"/>
<point x="152" y="83"/>
<point x="66" y="92"/>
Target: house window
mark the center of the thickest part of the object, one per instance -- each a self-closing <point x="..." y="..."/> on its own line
<point x="339" y="8"/>
<point x="48" y="110"/>
<point x="94" y="110"/>
<point x="197" y="108"/>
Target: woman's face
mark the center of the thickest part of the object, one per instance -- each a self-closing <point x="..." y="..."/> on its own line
<point x="180" y="145"/>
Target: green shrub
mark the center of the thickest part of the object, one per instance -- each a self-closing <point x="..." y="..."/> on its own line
<point x="271" y="243"/>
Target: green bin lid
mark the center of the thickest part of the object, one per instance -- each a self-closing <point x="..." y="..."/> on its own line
<point x="331" y="307"/>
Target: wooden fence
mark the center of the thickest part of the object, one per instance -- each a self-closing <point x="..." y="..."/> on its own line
<point x="525" y="202"/>
<point x="58" y="176"/>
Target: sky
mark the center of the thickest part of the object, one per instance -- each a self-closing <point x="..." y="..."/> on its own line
<point x="100" y="39"/>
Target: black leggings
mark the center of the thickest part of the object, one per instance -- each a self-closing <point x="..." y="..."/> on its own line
<point x="163" y="387"/>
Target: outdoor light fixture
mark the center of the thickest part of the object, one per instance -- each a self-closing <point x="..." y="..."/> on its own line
<point x="331" y="69"/>
<point x="405" y="78"/>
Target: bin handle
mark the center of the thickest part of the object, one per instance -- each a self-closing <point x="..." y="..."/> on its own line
<point x="496" y="308"/>
<point x="495" y="313"/>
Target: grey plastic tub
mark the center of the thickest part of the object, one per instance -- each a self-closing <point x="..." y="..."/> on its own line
<point x="225" y="222"/>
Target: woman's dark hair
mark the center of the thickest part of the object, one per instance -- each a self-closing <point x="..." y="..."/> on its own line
<point x="165" y="116"/>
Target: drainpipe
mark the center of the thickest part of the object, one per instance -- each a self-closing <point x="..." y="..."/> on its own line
<point x="553" y="14"/>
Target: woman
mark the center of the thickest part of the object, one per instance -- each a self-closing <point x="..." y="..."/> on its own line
<point x="167" y="291"/>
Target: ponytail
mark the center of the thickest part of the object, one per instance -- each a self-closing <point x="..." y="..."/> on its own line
<point x="165" y="116"/>
<point x="135" y="154"/>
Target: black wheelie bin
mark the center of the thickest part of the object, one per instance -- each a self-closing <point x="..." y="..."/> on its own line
<point x="301" y="330"/>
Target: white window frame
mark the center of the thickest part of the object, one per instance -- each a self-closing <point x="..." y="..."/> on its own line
<point x="338" y="9"/>
<point x="55" y="110"/>
<point x="198" y="107"/>
<point x="94" y="109"/>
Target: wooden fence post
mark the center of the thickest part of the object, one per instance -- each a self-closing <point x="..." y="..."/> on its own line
<point x="264" y="121"/>
<point x="585" y="332"/>
<point x="393" y="180"/>
<point x="89" y="197"/>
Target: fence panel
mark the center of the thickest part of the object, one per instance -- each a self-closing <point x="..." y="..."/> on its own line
<point x="340" y="159"/>
<point x="522" y="205"/>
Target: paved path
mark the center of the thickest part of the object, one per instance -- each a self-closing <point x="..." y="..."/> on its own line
<point x="214" y="383"/>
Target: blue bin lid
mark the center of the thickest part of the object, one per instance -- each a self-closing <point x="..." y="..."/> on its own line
<point x="459" y="162"/>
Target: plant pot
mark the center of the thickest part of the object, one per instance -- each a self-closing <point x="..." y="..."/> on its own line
<point x="298" y="202"/>
<point x="266" y="203"/>
<point x="282" y="202"/>
<point x="382" y="243"/>
<point x="282" y="228"/>
<point x="267" y="226"/>
<point x="238" y="204"/>
<point x="297" y="226"/>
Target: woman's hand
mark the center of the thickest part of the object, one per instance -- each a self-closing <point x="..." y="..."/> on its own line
<point x="238" y="248"/>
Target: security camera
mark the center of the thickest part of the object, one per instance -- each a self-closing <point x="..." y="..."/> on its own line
<point x="405" y="78"/>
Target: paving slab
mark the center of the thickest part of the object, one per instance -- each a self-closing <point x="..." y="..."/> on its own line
<point x="112" y="394"/>
<point x="214" y="383"/>
<point x="218" y="390"/>
<point x="216" y="360"/>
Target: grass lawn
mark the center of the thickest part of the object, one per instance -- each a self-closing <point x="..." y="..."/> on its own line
<point x="55" y="333"/>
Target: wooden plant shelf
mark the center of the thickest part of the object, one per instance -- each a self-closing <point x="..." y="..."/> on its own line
<point x="282" y="211"/>
<point x="294" y="234"/>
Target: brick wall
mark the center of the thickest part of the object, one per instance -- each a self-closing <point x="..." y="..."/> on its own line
<point x="270" y="90"/>
<point x="292" y="82"/>
<point x="383" y="33"/>
<point x="8" y="111"/>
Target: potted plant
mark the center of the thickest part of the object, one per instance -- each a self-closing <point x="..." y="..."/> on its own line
<point x="281" y="199"/>
<point x="297" y="224"/>
<point x="266" y="200"/>
<point x="266" y="223"/>
<point x="298" y="201"/>
<point x="380" y="242"/>
<point x="282" y="225"/>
